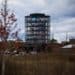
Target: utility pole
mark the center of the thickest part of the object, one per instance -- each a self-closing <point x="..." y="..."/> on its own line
<point x="5" y="13"/>
<point x="66" y="36"/>
<point x="4" y="18"/>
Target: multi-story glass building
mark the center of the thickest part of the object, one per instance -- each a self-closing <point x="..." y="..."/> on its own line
<point x="37" y="28"/>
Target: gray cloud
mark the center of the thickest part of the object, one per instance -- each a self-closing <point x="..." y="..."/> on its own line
<point x="61" y="11"/>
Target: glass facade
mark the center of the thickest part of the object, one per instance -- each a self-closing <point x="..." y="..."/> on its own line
<point x="37" y="28"/>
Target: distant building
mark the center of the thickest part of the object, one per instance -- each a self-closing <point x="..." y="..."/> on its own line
<point x="37" y="28"/>
<point x="72" y="41"/>
<point x="69" y="47"/>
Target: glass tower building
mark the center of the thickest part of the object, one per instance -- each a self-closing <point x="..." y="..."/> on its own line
<point x="37" y="28"/>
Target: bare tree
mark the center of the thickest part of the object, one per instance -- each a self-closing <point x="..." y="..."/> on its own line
<point x="7" y="25"/>
<point x="7" y="21"/>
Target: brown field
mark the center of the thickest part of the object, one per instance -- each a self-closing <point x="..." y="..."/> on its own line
<point x="40" y="64"/>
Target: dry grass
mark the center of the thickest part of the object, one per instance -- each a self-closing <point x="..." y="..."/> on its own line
<point x="40" y="64"/>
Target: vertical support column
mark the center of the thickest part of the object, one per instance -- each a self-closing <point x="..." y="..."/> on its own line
<point x="49" y="29"/>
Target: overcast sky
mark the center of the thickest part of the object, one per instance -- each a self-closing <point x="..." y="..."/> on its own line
<point x="62" y="14"/>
